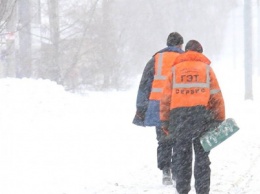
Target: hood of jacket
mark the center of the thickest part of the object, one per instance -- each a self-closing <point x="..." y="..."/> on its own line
<point x="192" y="56"/>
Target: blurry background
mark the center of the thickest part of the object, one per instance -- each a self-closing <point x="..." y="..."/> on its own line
<point x="105" y="44"/>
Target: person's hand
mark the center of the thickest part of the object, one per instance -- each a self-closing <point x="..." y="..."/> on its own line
<point x="165" y="130"/>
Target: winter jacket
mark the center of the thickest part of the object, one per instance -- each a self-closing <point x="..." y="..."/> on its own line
<point x="192" y="83"/>
<point x="151" y="85"/>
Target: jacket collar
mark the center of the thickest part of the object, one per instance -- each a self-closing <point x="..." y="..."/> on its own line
<point x="170" y="49"/>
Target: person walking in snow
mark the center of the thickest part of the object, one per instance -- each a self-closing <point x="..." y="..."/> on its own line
<point x="191" y="101"/>
<point x="148" y="100"/>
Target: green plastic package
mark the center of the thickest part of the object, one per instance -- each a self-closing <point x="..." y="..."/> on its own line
<point x="216" y="136"/>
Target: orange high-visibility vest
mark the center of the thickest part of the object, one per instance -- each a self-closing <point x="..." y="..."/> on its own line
<point x="163" y="64"/>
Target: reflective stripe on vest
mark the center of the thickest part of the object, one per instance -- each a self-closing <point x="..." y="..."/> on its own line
<point x="157" y="90"/>
<point x="158" y="75"/>
<point x="214" y="91"/>
<point x="192" y="85"/>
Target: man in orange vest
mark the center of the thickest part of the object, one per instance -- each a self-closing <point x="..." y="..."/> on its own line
<point x="191" y="102"/>
<point x="149" y="96"/>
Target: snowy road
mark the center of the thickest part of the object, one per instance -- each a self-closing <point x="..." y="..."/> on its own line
<point x="55" y="142"/>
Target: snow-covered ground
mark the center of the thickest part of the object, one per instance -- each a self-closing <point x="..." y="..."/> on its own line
<point x="56" y="142"/>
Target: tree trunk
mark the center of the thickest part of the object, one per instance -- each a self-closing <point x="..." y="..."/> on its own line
<point x="10" y="65"/>
<point x="248" y="60"/>
<point x="25" y="43"/>
<point x="55" y="70"/>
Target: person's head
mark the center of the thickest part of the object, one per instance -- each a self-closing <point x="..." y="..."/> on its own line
<point x="174" y="39"/>
<point x="193" y="45"/>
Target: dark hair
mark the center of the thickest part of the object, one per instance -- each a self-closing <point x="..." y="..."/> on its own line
<point x="174" y="39"/>
<point x="193" y="45"/>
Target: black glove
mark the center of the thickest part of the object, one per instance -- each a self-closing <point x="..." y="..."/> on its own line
<point x="139" y="118"/>
<point x="214" y="124"/>
<point x="139" y="115"/>
<point x="165" y="130"/>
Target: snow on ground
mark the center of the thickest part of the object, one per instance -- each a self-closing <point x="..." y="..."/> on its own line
<point x="56" y="142"/>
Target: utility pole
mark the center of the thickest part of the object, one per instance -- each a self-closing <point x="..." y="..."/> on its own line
<point x="24" y="68"/>
<point x="258" y="36"/>
<point x="248" y="56"/>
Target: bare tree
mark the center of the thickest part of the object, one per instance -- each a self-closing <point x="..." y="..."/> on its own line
<point x="79" y="44"/>
<point x="248" y="57"/>
<point x="105" y="43"/>
<point x="106" y="69"/>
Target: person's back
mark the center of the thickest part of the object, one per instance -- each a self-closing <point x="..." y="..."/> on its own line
<point x="191" y="99"/>
<point x="149" y="96"/>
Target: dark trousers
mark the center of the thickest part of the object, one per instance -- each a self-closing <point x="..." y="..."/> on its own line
<point x="187" y="127"/>
<point x="165" y="151"/>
